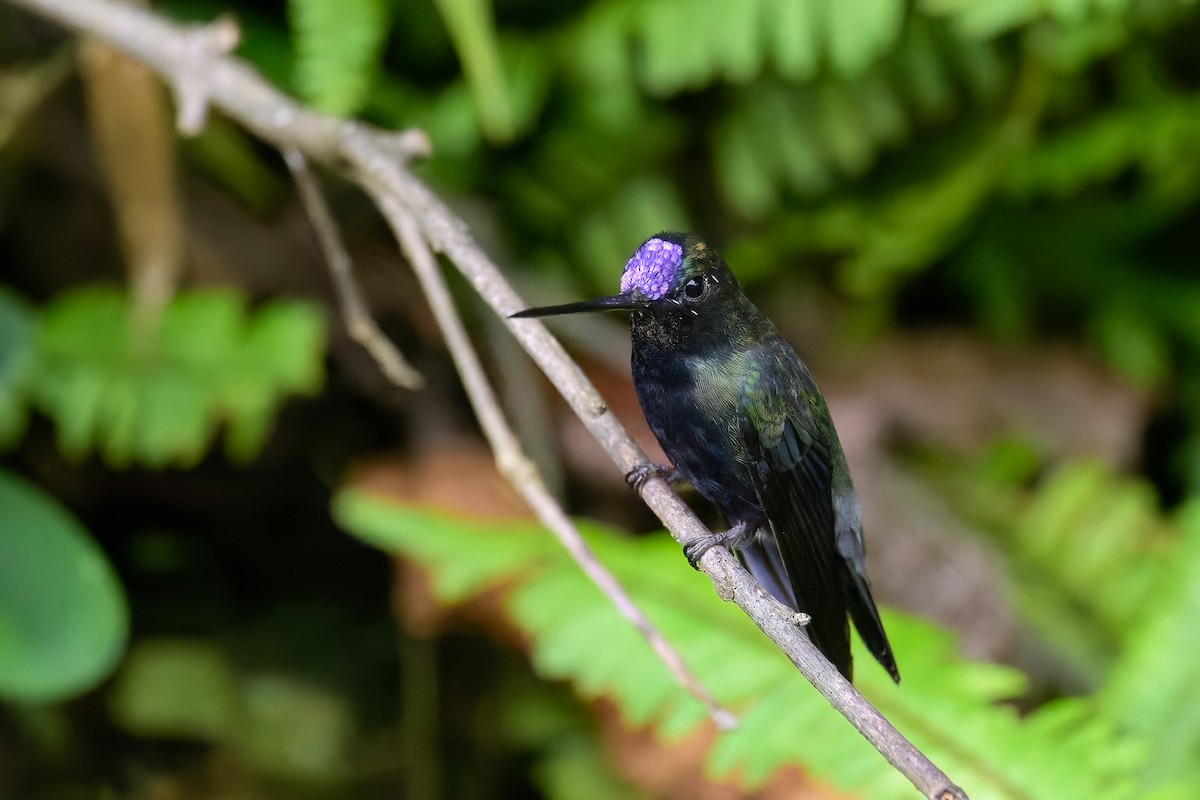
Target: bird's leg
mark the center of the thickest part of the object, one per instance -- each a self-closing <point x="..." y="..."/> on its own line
<point x="730" y="538"/>
<point x="637" y="477"/>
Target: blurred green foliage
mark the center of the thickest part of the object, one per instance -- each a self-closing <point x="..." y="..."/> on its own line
<point x="155" y="392"/>
<point x="1033" y="163"/>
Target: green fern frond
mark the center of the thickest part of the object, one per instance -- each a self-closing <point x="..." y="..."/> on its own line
<point x="157" y="397"/>
<point x="337" y="44"/>
<point x="686" y="44"/>
<point x="947" y="705"/>
<point x="780" y="139"/>
<point x="1081" y="529"/>
<point x="1152" y="688"/>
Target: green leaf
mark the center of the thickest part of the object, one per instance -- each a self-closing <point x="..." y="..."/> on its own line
<point x="284" y="342"/>
<point x="985" y="19"/>
<point x="686" y="44"/>
<point x="1083" y="527"/>
<point x="473" y="31"/>
<point x="859" y="31"/>
<point x="158" y="396"/>
<point x="63" y="620"/>
<point x="794" y="36"/>
<point x="1152" y="688"/>
<point x="740" y="55"/>
<point x="574" y="770"/>
<point x="921" y="67"/>
<point x="337" y="44"/>
<point x="743" y="178"/>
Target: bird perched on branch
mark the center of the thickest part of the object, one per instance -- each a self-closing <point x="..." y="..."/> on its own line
<point x="740" y="417"/>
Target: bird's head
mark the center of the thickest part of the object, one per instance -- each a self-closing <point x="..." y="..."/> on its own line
<point x="669" y="273"/>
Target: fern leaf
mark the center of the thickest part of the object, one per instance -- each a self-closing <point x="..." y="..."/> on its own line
<point x="156" y="397"/>
<point x="686" y="45"/>
<point x="673" y="46"/>
<point x="1082" y="528"/>
<point x="740" y="53"/>
<point x="776" y="139"/>
<point x="860" y="31"/>
<point x="337" y="45"/>
<point x="924" y="70"/>
<point x="1152" y="687"/>
<point x="793" y="35"/>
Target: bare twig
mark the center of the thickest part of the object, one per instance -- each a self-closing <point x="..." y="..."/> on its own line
<point x="359" y="322"/>
<point x="201" y="44"/>
<point x="130" y="125"/>
<point x="237" y="89"/>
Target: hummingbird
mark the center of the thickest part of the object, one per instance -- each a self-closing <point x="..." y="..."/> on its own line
<point x="741" y="419"/>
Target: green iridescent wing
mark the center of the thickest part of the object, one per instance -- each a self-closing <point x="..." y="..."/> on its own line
<point x="790" y="461"/>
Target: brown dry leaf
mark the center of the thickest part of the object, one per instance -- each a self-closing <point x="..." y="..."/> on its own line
<point x="673" y="770"/>
<point x="132" y="130"/>
<point x="461" y="478"/>
<point x="458" y="476"/>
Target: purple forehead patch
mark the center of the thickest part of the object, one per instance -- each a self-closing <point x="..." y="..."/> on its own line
<point x="652" y="270"/>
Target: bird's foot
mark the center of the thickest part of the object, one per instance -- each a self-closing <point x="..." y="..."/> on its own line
<point x="695" y="550"/>
<point x="637" y="477"/>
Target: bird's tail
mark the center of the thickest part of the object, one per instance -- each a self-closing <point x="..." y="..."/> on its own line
<point x="827" y="628"/>
<point x="866" y="620"/>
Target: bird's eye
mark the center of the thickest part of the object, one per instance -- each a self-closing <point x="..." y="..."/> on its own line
<point x="694" y="288"/>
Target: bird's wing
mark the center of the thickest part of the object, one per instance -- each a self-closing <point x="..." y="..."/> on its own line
<point x="790" y="462"/>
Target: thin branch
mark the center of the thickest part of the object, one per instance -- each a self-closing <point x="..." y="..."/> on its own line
<point x="237" y="89"/>
<point x="217" y="38"/>
<point x="359" y="322"/>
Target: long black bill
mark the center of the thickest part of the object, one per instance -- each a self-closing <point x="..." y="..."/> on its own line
<point x="618" y="302"/>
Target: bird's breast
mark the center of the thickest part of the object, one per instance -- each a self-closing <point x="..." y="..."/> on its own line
<point x="691" y="405"/>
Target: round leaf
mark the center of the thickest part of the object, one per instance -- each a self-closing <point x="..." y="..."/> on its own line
<point x="63" y="620"/>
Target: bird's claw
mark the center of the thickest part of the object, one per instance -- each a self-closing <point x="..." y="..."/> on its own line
<point x="731" y="538"/>
<point x="637" y="477"/>
<point x="695" y="550"/>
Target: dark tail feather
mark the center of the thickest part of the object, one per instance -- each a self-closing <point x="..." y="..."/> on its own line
<point x="828" y="627"/>
<point x="866" y="620"/>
